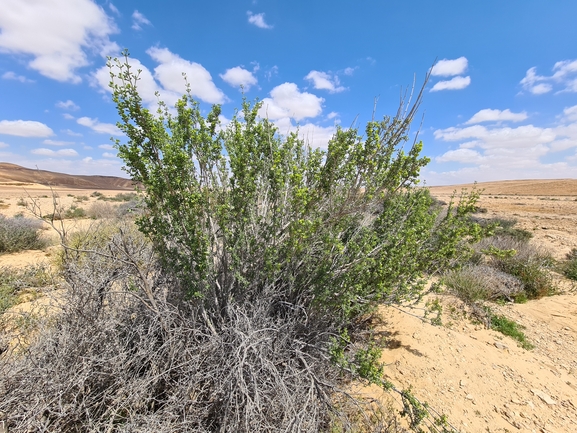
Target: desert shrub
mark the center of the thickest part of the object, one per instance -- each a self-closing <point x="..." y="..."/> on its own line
<point x="505" y="227"/>
<point x="74" y="212"/>
<point x="96" y="194"/>
<point x="570" y="266"/>
<point x="99" y="210"/>
<point x="527" y="262"/>
<point x="474" y="283"/>
<point x="81" y="198"/>
<point x="20" y="233"/>
<point x="13" y="280"/>
<point x="244" y="307"/>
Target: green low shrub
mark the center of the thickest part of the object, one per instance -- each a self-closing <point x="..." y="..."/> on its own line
<point x="20" y="233"/>
<point x="512" y="329"/>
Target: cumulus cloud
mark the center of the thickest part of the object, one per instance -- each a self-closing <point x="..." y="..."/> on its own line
<point x="13" y="76"/>
<point x="106" y="146"/>
<point x="109" y="155"/>
<point x="50" y="152"/>
<point x="287" y="101"/>
<point x="258" y="20"/>
<point x="489" y="115"/>
<point x="71" y="133"/>
<point x="456" y="83"/>
<point x="67" y="105"/>
<point x="349" y="71"/>
<point x="169" y="74"/>
<point x="96" y="126"/>
<point x="502" y="152"/>
<point x="25" y="128"/>
<point x="3" y="145"/>
<point x="238" y="77"/>
<point x="167" y="79"/>
<point x="325" y="81"/>
<point x="448" y="68"/>
<point x="139" y="20"/>
<point x="57" y="34"/>
<point x="564" y="77"/>
<point x="58" y="143"/>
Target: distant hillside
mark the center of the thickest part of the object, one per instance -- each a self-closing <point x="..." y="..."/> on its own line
<point x="12" y="173"/>
<point x="544" y="187"/>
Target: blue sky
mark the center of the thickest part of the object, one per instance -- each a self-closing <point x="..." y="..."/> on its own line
<point x="501" y="102"/>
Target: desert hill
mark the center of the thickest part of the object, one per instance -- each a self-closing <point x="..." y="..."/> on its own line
<point x="533" y="187"/>
<point x="11" y="174"/>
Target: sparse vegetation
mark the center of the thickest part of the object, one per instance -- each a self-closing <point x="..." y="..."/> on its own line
<point x="512" y="329"/>
<point x="570" y="267"/>
<point x="13" y="280"/>
<point x="20" y="233"/>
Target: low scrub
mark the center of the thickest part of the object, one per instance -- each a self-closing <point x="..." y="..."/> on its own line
<point x="20" y="233"/>
<point x="530" y="264"/>
<point x="13" y="280"/>
<point x="570" y="266"/>
<point x="474" y="283"/>
<point x="512" y="329"/>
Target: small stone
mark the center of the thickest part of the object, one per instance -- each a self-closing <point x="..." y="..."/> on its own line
<point x="463" y="383"/>
<point x="543" y="397"/>
<point x="500" y="345"/>
<point x="515" y="401"/>
<point x="470" y="397"/>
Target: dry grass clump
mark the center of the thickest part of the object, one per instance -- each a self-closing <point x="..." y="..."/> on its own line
<point x="481" y="282"/>
<point x="20" y="233"/>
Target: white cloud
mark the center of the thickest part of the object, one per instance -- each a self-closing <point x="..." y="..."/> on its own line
<point x="67" y="105"/>
<point x="58" y="34"/>
<point x="3" y="145"/>
<point x="169" y="74"/>
<point x="564" y="75"/>
<point x="270" y="72"/>
<point x="325" y="81"/>
<point x="314" y="135"/>
<point x="496" y="152"/>
<point x="106" y="146"/>
<point x="465" y="155"/>
<point x="109" y="155"/>
<point x="448" y="68"/>
<point x="50" y="152"/>
<point x="139" y="20"/>
<point x="349" y="71"/>
<point x="258" y="20"/>
<point x="489" y="115"/>
<point x="332" y="115"/>
<point x="570" y="113"/>
<point x="25" y="128"/>
<point x="456" y="83"/>
<point x="113" y="8"/>
<point x="58" y="143"/>
<point x="13" y="76"/>
<point x="68" y="116"/>
<point x="287" y="101"/>
<point x="96" y="126"/>
<point x="239" y="76"/>
<point x="71" y="133"/>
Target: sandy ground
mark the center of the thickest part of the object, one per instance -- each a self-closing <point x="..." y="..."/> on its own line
<point x="481" y="379"/>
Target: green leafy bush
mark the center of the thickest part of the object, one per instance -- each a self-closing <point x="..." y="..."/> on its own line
<point x="19" y="233"/>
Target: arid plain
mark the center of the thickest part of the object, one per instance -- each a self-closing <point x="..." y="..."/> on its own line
<point x="479" y="378"/>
